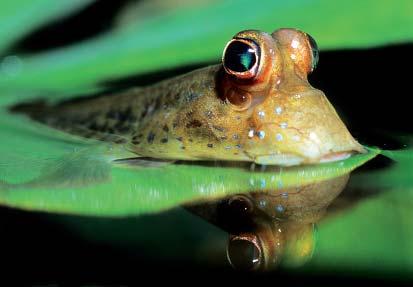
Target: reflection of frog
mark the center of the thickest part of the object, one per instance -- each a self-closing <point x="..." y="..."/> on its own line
<point x="272" y="227"/>
<point x="256" y="106"/>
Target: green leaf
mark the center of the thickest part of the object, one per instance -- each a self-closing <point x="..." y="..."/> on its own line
<point x="58" y="174"/>
<point x="19" y="17"/>
<point x="194" y="34"/>
<point x="374" y="236"/>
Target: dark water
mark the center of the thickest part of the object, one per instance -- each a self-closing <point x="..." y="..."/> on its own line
<point x="369" y="90"/>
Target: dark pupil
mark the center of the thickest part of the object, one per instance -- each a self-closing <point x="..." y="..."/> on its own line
<point x="314" y="50"/>
<point x="239" y="57"/>
<point x="244" y="255"/>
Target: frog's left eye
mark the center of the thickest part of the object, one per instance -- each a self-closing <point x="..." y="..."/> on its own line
<point x="314" y="52"/>
<point x="241" y="58"/>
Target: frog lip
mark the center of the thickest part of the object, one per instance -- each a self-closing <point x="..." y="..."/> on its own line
<point x="289" y="159"/>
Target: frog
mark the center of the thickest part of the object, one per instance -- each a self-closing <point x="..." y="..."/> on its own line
<point x="255" y="106"/>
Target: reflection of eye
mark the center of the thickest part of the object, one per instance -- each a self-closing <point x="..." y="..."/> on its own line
<point x="243" y="254"/>
<point x="241" y="58"/>
<point x="314" y="52"/>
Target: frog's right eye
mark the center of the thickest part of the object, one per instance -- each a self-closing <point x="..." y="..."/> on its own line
<point x="241" y="58"/>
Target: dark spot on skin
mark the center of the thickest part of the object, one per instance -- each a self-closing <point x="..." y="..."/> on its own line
<point x="123" y="116"/>
<point x="158" y="103"/>
<point x="218" y="128"/>
<point x="194" y="124"/>
<point x="191" y="97"/>
<point x="223" y="138"/>
<point x="121" y="127"/>
<point x="182" y="147"/>
<point x="143" y="114"/>
<point x="136" y="142"/>
<point x="165" y="128"/>
<point x="164" y="140"/>
<point x="151" y="137"/>
<point x="210" y="145"/>
<point x="135" y="137"/>
<point x="120" y="141"/>
<point x="235" y="153"/>
<point x="112" y="114"/>
<point x="179" y="139"/>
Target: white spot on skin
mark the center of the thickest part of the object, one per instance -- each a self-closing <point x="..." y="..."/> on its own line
<point x="293" y="56"/>
<point x="314" y="137"/>
<point x="295" y="44"/>
<point x="297" y="96"/>
<point x="278" y="110"/>
<point x="279" y="137"/>
<point x="150" y="109"/>
<point x="261" y="114"/>
<point x="279" y="208"/>
<point x="261" y="134"/>
<point x="283" y="125"/>
<point x="251" y="133"/>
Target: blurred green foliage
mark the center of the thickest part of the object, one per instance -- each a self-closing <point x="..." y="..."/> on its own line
<point x="198" y="33"/>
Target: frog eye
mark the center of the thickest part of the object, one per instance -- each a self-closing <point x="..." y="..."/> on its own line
<point x="244" y="253"/>
<point x="314" y="51"/>
<point x="241" y="58"/>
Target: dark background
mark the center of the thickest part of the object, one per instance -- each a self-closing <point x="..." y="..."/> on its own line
<point x="369" y="88"/>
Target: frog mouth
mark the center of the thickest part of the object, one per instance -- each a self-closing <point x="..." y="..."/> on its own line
<point x="289" y="159"/>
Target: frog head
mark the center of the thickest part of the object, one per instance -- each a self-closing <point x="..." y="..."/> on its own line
<point x="280" y="117"/>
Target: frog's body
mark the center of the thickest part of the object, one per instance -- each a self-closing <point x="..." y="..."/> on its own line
<point x="272" y="116"/>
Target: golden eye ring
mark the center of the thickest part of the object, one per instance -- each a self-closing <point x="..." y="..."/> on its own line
<point x="241" y="58"/>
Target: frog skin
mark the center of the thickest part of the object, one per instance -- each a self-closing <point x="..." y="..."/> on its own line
<point x="255" y="106"/>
